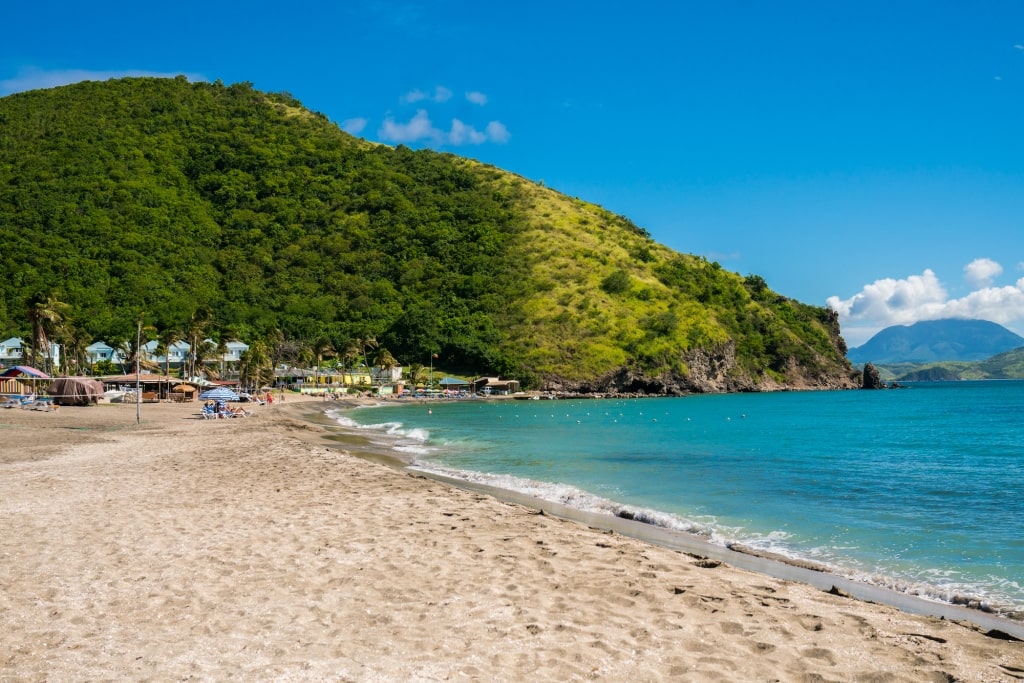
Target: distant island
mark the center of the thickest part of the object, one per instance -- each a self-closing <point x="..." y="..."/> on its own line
<point x="943" y="350"/>
<point x="929" y="341"/>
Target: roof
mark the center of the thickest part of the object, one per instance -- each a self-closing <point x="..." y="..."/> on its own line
<point x="23" y="371"/>
<point x="144" y="377"/>
<point x="453" y="381"/>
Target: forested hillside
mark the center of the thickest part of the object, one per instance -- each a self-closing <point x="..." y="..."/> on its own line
<point x="241" y="212"/>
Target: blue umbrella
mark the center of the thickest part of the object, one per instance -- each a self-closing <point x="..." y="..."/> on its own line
<point x="218" y="394"/>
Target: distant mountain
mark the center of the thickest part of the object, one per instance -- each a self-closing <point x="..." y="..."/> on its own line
<point x="937" y="340"/>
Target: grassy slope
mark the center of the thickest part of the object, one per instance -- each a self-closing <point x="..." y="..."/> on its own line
<point x="152" y="230"/>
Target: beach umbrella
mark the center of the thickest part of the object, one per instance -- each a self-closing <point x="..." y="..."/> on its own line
<point x="218" y="394"/>
<point x="24" y="371"/>
<point x="25" y="374"/>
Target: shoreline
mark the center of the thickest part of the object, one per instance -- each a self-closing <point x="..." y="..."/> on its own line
<point x="255" y="549"/>
<point x="737" y="555"/>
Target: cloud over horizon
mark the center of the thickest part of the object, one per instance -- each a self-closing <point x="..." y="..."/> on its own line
<point x="889" y="301"/>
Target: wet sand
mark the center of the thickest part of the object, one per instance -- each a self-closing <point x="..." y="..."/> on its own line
<point x="249" y="549"/>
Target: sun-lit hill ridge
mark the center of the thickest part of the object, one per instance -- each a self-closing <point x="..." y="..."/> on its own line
<point x="163" y="198"/>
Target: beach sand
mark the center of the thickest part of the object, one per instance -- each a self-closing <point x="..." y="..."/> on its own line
<point x="246" y="549"/>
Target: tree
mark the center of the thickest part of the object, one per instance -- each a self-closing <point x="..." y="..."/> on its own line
<point x="321" y="348"/>
<point x="165" y="342"/>
<point x="366" y="343"/>
<point x="222" y="337"/>
<point x="255" y="369"/>
<point x="130" y="350"/>
<point x="616" y="283"/>
<point x="415" y="374"/>
<point x="73" y="342"/>
<point x="385" y="361"/>
<point x="46" y="315"/>
<point x="198" y="327"/>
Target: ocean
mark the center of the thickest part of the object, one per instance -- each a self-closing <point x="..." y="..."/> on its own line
<point x="918" y="489"/>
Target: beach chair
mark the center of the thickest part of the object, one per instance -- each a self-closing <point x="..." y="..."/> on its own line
<point x="208" y="413"/>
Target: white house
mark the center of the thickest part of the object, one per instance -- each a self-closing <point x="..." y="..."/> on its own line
<point x="179" y="352"/>
<point x="234" y="351"/>
<point x="175" y="357"/>
<point x="101" y="351"/>
<point x="11" y="351"/>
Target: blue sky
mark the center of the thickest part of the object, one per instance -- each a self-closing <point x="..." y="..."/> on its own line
<point x="868" y="155"/>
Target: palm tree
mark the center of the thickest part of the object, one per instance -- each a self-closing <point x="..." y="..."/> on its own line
<point x="222" y="338"/>
<point x="256" y="369"/>
<point x="350" y="353"/>
<point x="321" y="348"/>
<point x="385" y="361"/>
<point x="74" y="357"/>
<point x="415" y="374"/>
<point x="166" y="341"/>
<point x="46" y="315"/>
<point x="131" y="350"/>
<point x="367" y="343"/>
<point x="202" y="353"/>
<point x="198" y="325"/>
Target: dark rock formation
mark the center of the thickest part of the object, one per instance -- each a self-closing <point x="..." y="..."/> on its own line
<point x="871" y="378"/>
<point x="708" y="371"/>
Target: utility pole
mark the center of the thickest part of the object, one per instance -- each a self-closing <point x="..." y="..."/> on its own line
<point x="138" y="377"/>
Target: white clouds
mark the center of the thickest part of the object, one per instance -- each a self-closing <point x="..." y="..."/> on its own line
<point x="354" y="126"/>
<point x="440" y="94"/>
<point x="35" y="79"/>
<point x="497" y="132"/>
<point x="892" y="301"/>
<point x="922" y="297"/>
<point x="981" y="272"/>
<point x="462" y="134"/>
<point x="420" y="128"/>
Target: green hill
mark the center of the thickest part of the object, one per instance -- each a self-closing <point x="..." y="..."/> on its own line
<point x="246" y="214"/>
<point x="1006" y="365"/>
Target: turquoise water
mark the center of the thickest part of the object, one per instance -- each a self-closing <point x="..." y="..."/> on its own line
<point x="920" y="489"/>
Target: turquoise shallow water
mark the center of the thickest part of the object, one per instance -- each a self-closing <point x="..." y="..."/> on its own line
<point x="920" y="489"/>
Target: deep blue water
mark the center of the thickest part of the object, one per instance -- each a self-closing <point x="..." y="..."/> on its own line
<point x="920" y="489"/>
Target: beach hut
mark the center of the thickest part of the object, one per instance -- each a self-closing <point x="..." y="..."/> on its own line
<point x="25" y="374"/>
<point x="154" y="387"/>
<point x="182" y="392"/>
<point x="453" y="385"/>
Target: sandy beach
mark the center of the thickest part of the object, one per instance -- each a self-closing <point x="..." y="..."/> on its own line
<point x="248" y="549"/>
